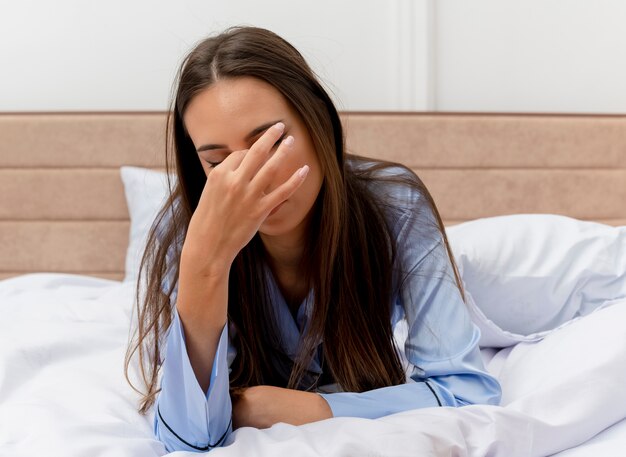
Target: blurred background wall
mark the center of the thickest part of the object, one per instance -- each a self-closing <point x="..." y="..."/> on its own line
<point x="561" y="56"/>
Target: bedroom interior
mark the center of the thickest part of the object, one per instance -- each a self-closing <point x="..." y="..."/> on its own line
<point x="512" y="113"/>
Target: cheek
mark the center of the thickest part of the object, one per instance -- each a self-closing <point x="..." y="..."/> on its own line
<point x="287" y="167"/>
<point x="316" y="182"/>
<point x="307" y="193"/>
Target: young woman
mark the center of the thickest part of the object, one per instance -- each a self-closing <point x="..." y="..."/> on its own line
<point x="280" y="266"/>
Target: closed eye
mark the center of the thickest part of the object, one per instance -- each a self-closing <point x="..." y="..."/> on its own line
<point x="212" y="164"/>
<point x="215" y="164"/>
<point x="279" y="140"/>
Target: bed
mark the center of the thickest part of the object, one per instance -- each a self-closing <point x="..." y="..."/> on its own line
<point x="535" y="210"/>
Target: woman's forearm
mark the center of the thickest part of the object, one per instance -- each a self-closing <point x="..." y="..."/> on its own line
<point x="264" y="406"/>
<point x="202" y="306"/>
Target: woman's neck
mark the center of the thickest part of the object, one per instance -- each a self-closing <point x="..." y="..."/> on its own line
<point x="284" y="252"/>
<point x="284" y="256"/>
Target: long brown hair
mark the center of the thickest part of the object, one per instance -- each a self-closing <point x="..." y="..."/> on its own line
<point x="348" y="259"/>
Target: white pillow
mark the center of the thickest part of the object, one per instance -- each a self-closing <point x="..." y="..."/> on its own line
<point x="146" y="191"/>
<point x="527" y="274"/>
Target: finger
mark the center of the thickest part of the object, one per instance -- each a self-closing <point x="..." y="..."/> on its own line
<point x="259" y="151"/>
<point x="285" y="190"/>
<point x="266" y="173"/>
<point x="233" y="160"/>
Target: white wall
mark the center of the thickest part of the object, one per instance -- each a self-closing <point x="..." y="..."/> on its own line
<point x="530" y="55"/>
<point x="122" y="55"/>
<point x="377" y="55"/>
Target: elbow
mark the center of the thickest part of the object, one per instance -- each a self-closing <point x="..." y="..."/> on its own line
<point x="496" y="396"/>
<point x="487" y="392"/>
<point x="492" y="392"/>
<point x="477" y="388"/>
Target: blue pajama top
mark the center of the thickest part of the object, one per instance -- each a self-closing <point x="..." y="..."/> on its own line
<point x="431" y="325"/>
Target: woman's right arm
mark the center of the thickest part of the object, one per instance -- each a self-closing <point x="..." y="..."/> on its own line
<point x="194" y="409"/>
<point x="187" y="415"/>
<point x="202" y="306"/>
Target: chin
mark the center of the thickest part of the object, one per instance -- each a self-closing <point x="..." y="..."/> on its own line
<point x="279" y="223"/>
<point x="275" y="226"/>
<point x="286" y="219"/>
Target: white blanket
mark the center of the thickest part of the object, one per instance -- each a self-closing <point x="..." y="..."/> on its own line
<point x="63" y="393"/>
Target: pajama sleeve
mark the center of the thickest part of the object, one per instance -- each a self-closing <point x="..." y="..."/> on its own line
<point x="442" y="343"/>
<point x="187" y="418"/>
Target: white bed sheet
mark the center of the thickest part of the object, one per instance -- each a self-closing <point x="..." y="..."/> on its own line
<point x="63" y="393"/>
<point x="610" y="442"/>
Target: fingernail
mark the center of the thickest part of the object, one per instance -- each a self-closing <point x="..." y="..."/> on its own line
<point x="289" y="140"/>
<point x="303" y="171"/>
<point x="279" y="126"/>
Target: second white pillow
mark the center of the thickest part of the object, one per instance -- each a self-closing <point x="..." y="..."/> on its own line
<point x="530" y="273"/>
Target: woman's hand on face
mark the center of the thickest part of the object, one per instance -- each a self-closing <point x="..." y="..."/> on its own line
<point x="264" y="406"/>
<point x="233" y="204"/>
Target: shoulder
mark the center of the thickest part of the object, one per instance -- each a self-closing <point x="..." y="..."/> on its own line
<point x="399" y="192"/>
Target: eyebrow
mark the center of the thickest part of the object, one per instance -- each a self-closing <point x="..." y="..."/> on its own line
<point x="252" y="134"/>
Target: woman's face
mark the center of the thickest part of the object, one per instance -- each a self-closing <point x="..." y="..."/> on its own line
<point x="231" y="115"/>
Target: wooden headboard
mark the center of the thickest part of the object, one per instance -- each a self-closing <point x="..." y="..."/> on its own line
<point x="62" y="200"/>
